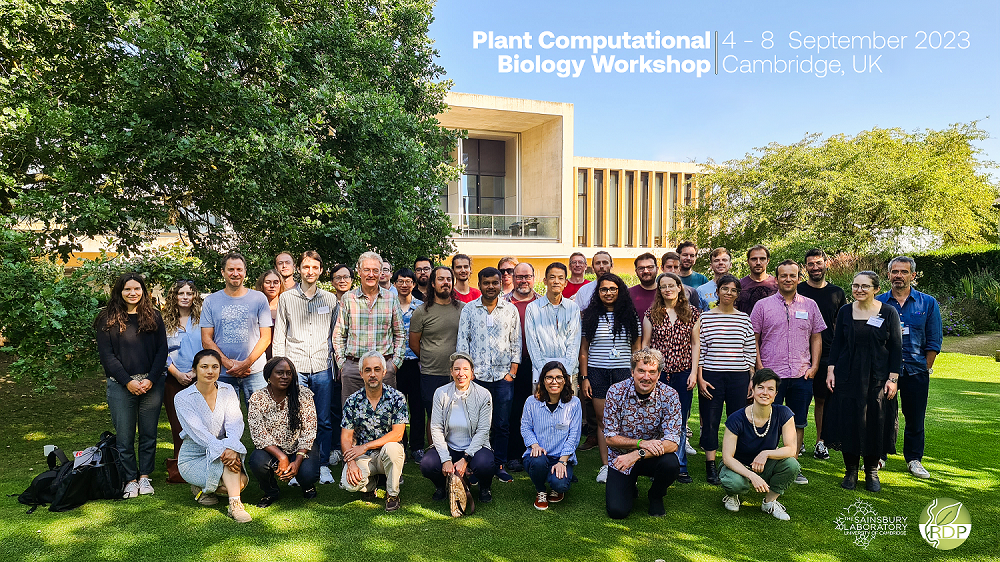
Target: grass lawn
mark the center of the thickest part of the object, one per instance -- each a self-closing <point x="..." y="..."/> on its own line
<point x="980" y="344"/>
<point x="963" y="426"/>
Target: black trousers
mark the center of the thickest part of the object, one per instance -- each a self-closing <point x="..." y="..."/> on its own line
<point x="262" y="464"/>
<point x="620" y="490"/>
<point x="522" y="389"/>
<point x="408" y="382"/>
<point x="482" y="466"/>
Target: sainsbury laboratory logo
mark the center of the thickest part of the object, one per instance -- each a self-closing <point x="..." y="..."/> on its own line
<point x="861" y="521"/>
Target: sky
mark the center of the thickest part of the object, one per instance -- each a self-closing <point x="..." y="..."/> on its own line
<point x="944" y="69"/>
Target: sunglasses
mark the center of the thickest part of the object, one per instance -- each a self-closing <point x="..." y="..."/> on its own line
<point x="507" y="271"/>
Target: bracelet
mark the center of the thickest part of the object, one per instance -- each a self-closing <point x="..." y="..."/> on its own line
<point x="638" y="444"/>
<point x="303" y="455"/>
<point x="893" y="381"/>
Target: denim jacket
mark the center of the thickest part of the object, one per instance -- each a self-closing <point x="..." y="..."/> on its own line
<point x="920" y="319"/>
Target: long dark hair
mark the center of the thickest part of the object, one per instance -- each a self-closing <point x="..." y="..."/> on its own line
<point x="542" y="393"/>
<point x="294" y="417"/>
<point x="626" y="318"/>
<point x="115" y="314"/>
<point x="429" y="300"/>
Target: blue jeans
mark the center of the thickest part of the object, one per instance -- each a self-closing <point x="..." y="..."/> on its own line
<point x="678" y="382"/>
<point x="321" y="384"/>
<point x="127" y="412"/>
<point x="796" y="393"/>
<point x="247" y="385"/>
<point x="503" y="393"/>
<point x="540" y="471"/>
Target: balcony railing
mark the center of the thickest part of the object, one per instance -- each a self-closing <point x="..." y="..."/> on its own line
<point x="505" y="226"/>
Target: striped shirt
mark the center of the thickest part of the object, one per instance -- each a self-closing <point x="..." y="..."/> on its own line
<point x="552" y="332"/>
<point x="364" y="325"/>
<point x="557" y="432"/>
<point x="609" y="351"/>
<point x="727" y="342"/>
<point x="303" y="328"/>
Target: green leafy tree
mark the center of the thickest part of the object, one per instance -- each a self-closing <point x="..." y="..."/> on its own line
<point x="852" y="194"/>
<point x="262" y="125"/>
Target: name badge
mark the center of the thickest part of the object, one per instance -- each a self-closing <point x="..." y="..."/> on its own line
<point x="906" y="330"/>
<point x="615" y="353"/>
<point x="875" y="321"/>
<point x="489" y="320"/>
<point x="323" y="310"/>
<point x="802" y="314"/>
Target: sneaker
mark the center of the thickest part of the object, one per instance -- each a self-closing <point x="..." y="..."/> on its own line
<point x="391" y="503"/>
<point x="438" y="494"/>
<point x="602" y="474"/>
<point x="238" y="512"/>
<point x="335" y="457"/>
<point x="201" y="497"/>
<point x="732" y="502"/>
<point x="266" y="501"/>
<point x="821" y="452"/>
<point x="473" y="479"/>
<point x="916" y="469"/>
<point x="775" y="509"/>
<point x="294" y="482"/>
<point x="310" y="493"/>
<point x="131" y="490"/>
<point x="417" y="455"/>
<point x="514" y="465"/>
<point x="588" y="443"/>
<point x="485" y="495"/>
<point x="369" y="497"/>
<point x="801" y="479"/>
<point x="656" y="508"/>
<point x="684" y="478"/>
<point x="689" y="449"/>
<point x="802" y="449"/>
<point x="556" y="497"/>
<point x="504" y="476"/>
<point x="881" y="464"/>
<point x="542" y="501"/>
<point x="145" y="487"/>
<point x="325" y="476"/>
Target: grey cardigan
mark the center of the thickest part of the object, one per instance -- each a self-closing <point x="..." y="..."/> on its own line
<point x="478" y="408"/>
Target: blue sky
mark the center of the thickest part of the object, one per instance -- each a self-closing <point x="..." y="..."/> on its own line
<point x="679" y="117"/>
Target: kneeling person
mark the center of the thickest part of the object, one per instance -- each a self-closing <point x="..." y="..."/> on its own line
<point x="371" y="430"/>
<point x="751" y="459"/>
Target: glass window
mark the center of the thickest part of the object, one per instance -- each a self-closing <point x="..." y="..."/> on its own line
<point x="630" y="209"/>
<point x="613" y="208"/>
<point x="598" y="207"/>
<point x="581" y="208"/>
<point x="644" y="209"/>
<point x="672" y="206"/>
<point x="658" y="212"/>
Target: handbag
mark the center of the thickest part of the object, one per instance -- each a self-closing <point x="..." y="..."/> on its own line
<point x="460" y="499"/>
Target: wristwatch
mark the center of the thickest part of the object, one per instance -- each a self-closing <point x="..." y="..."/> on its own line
<point x="642" y="453"/>
<point x="512" y="375"/>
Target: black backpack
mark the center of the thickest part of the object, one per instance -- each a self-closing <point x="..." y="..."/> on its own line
<point x="64" y="487"/>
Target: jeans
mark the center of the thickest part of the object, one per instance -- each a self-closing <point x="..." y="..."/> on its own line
<point x="247" y="385"/>
<point x="620" y="488"/>
<point x="482" y="465"/>
<point x="730" y="389"/>
<point x="127" y="412"/>
<point x="408" y="382"/>
<point x="261" y="464"/>
<point x="502" y="392"/>
<point x="913" y="390"/>
<point x="796" y="393"/>
<point x="336" y="408"/>
<point x="539" y="469"/>
<point x="678" y="382"/>
<point x="778" y="473"/>
<point x="321" y="384"/>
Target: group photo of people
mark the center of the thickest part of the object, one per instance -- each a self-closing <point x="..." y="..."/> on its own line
<point x="475" y="377"/>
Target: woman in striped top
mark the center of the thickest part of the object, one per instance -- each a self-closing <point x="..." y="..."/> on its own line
<point x="728" y="353"/>
<point x="611" y="333"/>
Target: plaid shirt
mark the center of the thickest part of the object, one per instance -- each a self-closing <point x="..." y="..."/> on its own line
<point x="656" y="417"/>
<point x="364" y="326"/>
<point x="371" y="424"/>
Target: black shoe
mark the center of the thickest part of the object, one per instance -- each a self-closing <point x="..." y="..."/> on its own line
<point x="850" y="479"/>
<point x="504" y="476"/>
<point x="711" y="476"/>
<point x="871" y="481"/>
<point x="684" y="478"/>
<point x="514" y="466"/>
<point x="309" y="494"/>
<point x="656" y="508"/>
<point x="266" y="501"/>
<point x="381" y="480"/>
<point x="635" y="491"/>
<point x="485" y="495"/>
<point x="369" y="497"/>
<point x="574" y="479"/>
<point x="438" y="494"/>
<point x="417" y="455"/>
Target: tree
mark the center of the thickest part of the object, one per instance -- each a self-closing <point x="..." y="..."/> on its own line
<point x="258" y="124"/>
<point x="850" y="193"/>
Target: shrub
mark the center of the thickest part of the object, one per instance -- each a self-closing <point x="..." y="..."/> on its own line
<point x="941" y="270"/>
<point x="161" y="266"/>
<point x="953" y="322"/>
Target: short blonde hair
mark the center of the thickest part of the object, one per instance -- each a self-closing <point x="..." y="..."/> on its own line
<point x="648" y="356"/>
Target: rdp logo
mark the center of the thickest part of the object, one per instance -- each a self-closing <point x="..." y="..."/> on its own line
<point x="945" y="523"/>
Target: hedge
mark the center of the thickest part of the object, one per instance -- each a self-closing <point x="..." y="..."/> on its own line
<point x="942" y="269"/>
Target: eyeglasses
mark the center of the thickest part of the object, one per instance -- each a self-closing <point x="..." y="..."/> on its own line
<point x="507" y="271"/>
<point x="422" y="269"/>
<point x="608" y="290"/>
<point x="556" y="378"/>
<point x="523" y="277"/>
<point x="646" y="268"/>
<point x="857" y="287"/>
<point x="728" y="290"/>
<point x="341" y="277"/>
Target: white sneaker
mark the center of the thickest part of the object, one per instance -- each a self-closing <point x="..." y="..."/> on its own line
<point x="732" y="502"/>
<point x="131" y="490"/>
<point x="881" y="464"/>
<point x="918" y="469"/>
<point x="145" y="487"/>
<point x="294" y="482"/>
<point x="775" y="509"/>
<point x="602" y="475"/>
<point x="689" y="449"/>
<point x="325" y="476"/>
<point x="335" y="457"/>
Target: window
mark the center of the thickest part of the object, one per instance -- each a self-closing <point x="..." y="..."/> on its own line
<point x="658" y="212"/>
<point x="672" y="215"/>
<point x="613" y="208"/>
<point x="644" y="209"/>
<point x="630" y="209"/>
<point x="483" y="182"/>
<point x="599" y="207"/>
<point x="581" y="208"/>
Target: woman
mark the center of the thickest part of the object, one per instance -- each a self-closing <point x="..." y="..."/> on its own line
<point x="211" y="457"/>
<point x="551" y="427"/>
<point x="865" y="360"/>
<point x="270" y="284"/>
<point x="132" y="343"/>
<point x="181" y="314"/>
<point x="408" y="376"/>
<point x="727" y="355"/>
<point x="671" y="326"/>
<point x="751" y="459"/>
<point x="611" y="334"/>
<point x="460" y="431"/>
<point x="282" y="418"/>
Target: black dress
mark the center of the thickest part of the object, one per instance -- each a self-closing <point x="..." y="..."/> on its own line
<point x="858" y="419"/>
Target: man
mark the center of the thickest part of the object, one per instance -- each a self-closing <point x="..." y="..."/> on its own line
<point x="759" y="283"/>
<point x="461" y="265"/>
<point x="688" y="252"/>
<point x="642" y="424"/>
<point x="303" y="331"/>
<point x="645" y="291"/>
<point x="506" y="266"/>
<point x="370" y="320"/>
<point x="343" y="278"/>
<point x="552" y="327"/>
<point x="373" y="424"/>
<point x="422" y="267"/>
<point x="670" y="262"/>
<point x="577" y="267"/>
<point x="236" y="322"/>
<point x="434" y="334"/>
<point x="829" y="298"/>
<point x="721" y="261"/>
<point x="788" y="328"/>
<point x="408" y="377"/>
<point x="385" y="278"/>
<point x="489" y="332"/>
<point x="285" y="264"/>
<point x="920" y="318"/>
<point x="602" y="264"/>
<point x="521" y="297"/>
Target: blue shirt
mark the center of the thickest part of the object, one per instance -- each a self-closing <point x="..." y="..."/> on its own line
<point x="190" y="344"/>
<point x="920" y="319"/>
<point x="557" y="432"/>
<point x="708" y="294"/>
<point x="407" y="314"/>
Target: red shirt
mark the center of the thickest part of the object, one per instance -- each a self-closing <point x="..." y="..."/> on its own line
<point x="472" y="295"/>
<point x="572" y="288"/>
<point x="521" y="306"/>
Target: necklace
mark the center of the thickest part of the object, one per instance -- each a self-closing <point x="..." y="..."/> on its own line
<point x="277" y="402"/>
<point x="767" y="426"/>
